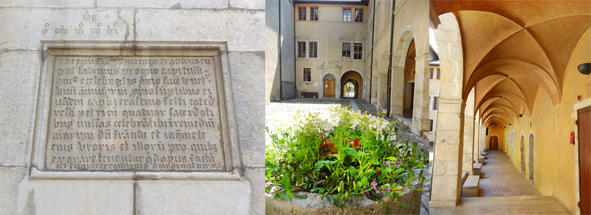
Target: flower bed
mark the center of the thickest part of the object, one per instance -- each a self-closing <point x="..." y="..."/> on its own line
<point x="342" y="159"/>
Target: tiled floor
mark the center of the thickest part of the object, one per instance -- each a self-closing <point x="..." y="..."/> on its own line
<point x="504" y="190"/>
<point x="499" y="177"/>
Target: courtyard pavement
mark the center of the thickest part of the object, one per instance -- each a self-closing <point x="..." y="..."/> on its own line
<point x="504" y="190"/>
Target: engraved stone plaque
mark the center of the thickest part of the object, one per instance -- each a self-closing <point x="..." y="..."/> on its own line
<point x="131" y="112"/>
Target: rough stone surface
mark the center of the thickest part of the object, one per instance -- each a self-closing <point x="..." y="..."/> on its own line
<point x="155" y="25"/>
<point x="360" y="205"/>
<point x="17" y="90"/>
<point x="178" y="4"/>
<point x="9" y="181"/>
<point x="79" y="197"/>
<point x="193" y="197"/>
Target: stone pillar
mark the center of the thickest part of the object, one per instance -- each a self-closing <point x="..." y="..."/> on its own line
<point x="397" y="88"/>
<point x="420" y="118"/>
<point x="447" y="164"/>
<point x="469" y="134"/>
<point x="476" y="136"/>
<point x="382" y="90"/>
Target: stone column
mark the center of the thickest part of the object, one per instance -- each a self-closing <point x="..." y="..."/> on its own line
<point x="420" y="118"/>
<point x="447" y="165"/>
<point x="382" y="90"/>
<point x="469" y="134"/>
<point x="476" y="136"/>
<point x="397" y="88"/>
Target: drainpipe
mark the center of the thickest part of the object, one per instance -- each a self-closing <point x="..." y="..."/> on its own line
<point x="295" y="73"/>
<point x="391" y="56"/>
<point x="373" y="25"/>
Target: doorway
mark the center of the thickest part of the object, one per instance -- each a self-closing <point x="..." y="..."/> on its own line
<point x="351" y="85"/>
<point x="530" y="160"/>
<point x="584" y="118"/>
<point x="522" y="147"/>
<point x="494" y="143"/>
<point x="329" y="85"/>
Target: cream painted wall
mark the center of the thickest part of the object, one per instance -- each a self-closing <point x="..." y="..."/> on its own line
<point x="551" y="125"/>
<point x="330" y="32"/>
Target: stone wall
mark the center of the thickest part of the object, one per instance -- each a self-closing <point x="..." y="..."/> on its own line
<point x="228" y="32"/>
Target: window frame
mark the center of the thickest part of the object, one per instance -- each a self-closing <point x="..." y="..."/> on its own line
<point x="310" y="48"/>
<point x="299" y="15"/>
<point x="431" y="125"/>
<point x="362" y="15"/>
<point x="350" y="9"/>
<point x="305" y="55"/>
<point x="304" y="75"/>
<point x="353" y="50"/>
<point x="435" y="103"/>
<point x="350" y="50"/>
<point x="316" y="12"/>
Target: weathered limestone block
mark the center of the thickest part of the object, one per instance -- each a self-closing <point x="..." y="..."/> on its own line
<point x="471" y="186"/>
<point x="10" y="178"/>
<point x="77" y="197"/>
<point x="193" y="197"/>
<point x="481" y="159"/>
<point x="477" y="167"/>
<point x="177" y="4"/>
<point x="243" y="29"/>
<point x="360" y="205"/>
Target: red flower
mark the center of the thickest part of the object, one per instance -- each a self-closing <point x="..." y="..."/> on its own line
<point x="343" y="142"/>
<point x="356" y="142"/>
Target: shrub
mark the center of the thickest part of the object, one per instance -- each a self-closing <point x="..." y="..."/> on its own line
<point x="349" y="154"/>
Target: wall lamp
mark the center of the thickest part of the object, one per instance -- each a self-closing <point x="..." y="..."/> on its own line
<point x="584" y="68"/>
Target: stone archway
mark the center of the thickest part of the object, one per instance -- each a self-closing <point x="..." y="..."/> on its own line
<point x="522" y="147"/>
<point x="328" y="86"/>
<point x="354" y="78"/>
<point x="530" y="159"/>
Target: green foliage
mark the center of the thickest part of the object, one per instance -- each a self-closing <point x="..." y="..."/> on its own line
<point x="350" y="154"/>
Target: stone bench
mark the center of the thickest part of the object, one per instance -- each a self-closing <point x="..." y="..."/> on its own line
<point x="483" y="154"/>
<point x="471" y="186"/>
<point x="309" y="95"/>
<point x="464" y="177"/>
<point x="476" y="168"/>
<point x="481" y="159"/>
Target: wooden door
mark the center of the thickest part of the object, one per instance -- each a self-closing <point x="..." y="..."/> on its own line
<point x="584" y="117"/>
<point x="494" y="143"/>
<point x="329" y="88"/>
<point x="412" y="95"/>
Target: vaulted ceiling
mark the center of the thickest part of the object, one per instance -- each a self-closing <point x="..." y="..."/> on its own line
<point x="511" y="48"/>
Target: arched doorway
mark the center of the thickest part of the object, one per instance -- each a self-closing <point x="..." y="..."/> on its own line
<point x="522" y="147"/>
<point x="408" y="90"/>
<point x="351" y="85"/>
<point x="329" y="82"/>
<point x="494" y="143"/>
<point x="530" y="161"/>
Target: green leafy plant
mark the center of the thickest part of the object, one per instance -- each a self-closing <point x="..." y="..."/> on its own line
<point x="350" y="154"/>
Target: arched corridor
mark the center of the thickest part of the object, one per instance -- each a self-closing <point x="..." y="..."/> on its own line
<point x="350" y="85"/>
<point x="510" y="58"/>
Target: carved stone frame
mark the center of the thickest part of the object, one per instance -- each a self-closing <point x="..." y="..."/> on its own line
<point x="217" y="50"/>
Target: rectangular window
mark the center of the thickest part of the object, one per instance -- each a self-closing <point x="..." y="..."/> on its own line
<point x="435" y="102"/>
<point x="346" y="50"/>
<point x="431" y="125"/>
<point x="313" y="13"/>
<point x="438" y="74"/>
<point x="313" y="49"/>
<point x="359" y="15"/>
<point x="302" y="13"/>
<point x="431" y="75"/>
<point x="301" y="49"/>
<point x="358" y="51"/>
<point x="346" y="14"/>
<point x="307" y="74"/>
